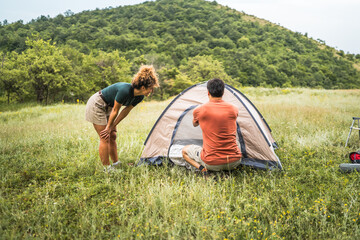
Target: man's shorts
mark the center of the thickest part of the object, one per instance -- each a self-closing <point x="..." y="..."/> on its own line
<point x="97" y="111"/>
<point x="194" y="152"/>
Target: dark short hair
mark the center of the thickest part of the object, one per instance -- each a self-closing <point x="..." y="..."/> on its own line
<point x="216" y="87"/>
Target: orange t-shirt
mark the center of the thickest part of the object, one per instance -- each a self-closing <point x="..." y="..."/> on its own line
<point x="217" y="120"/>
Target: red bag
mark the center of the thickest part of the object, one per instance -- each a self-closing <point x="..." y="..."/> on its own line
<point x="355" y="157"/>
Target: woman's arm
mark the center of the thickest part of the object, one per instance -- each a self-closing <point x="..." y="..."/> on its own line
<point x="110" y="125"/>
<point x="123" y="114"/>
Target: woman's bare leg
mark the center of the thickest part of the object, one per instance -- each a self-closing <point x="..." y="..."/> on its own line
<point x="104" y="145"/>
<point x="113" y="147"/>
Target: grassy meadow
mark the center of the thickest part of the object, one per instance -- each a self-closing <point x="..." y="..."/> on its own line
<point x="53" y="185"/>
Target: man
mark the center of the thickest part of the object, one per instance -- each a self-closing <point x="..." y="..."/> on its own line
<point x="217" y="120"/>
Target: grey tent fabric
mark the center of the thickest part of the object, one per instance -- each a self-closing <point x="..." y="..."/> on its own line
<point x="174" y="129"/>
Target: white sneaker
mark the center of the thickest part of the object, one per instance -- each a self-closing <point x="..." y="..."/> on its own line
<point x="116" y="165"/>
<point x="109" y="169"/>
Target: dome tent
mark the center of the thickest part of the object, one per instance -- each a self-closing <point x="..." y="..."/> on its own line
<point x="173" y="130"/>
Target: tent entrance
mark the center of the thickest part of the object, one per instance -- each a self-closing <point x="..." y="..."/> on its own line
<point x="184" y="134"/>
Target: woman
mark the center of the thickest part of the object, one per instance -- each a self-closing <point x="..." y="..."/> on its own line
<point x="102" y="109"/>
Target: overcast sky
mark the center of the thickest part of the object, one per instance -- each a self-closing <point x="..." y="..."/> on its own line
<point x="337" y="22"/>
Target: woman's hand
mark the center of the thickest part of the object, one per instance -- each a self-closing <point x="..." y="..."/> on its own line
<point x="105" y="134"/>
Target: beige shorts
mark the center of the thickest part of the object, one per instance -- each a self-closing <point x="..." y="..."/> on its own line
<point x="97" y="111"/>
<point x="194" y="152"/>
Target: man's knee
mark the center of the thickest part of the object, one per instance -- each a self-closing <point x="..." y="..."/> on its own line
<point x="184" y="150"/>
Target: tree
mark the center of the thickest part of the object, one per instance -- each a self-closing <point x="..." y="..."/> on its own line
<point x="203" y="68"/>
<point x="104" y="69"/>
<point x="171" y="82"/>
<point x="222" y="42"/>
<point x="9" y="74"/>
<point x="243" y="42"/>
<point x="80" y="87"/>
<point x="68" y="13"/>
<point x="48" y="71"/>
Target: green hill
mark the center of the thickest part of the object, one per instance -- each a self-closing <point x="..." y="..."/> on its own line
<point x="188" y="41"/>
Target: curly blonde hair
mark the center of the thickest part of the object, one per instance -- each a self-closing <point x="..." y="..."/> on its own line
<point x="146" y="77"/>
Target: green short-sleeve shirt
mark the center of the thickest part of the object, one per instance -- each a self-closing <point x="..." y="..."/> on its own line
<point x="123" y="93"/>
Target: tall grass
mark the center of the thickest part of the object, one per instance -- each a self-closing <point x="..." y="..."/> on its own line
<point x="53" y="185"/>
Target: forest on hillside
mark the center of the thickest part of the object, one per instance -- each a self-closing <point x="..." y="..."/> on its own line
<point x="71" y="56"/>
